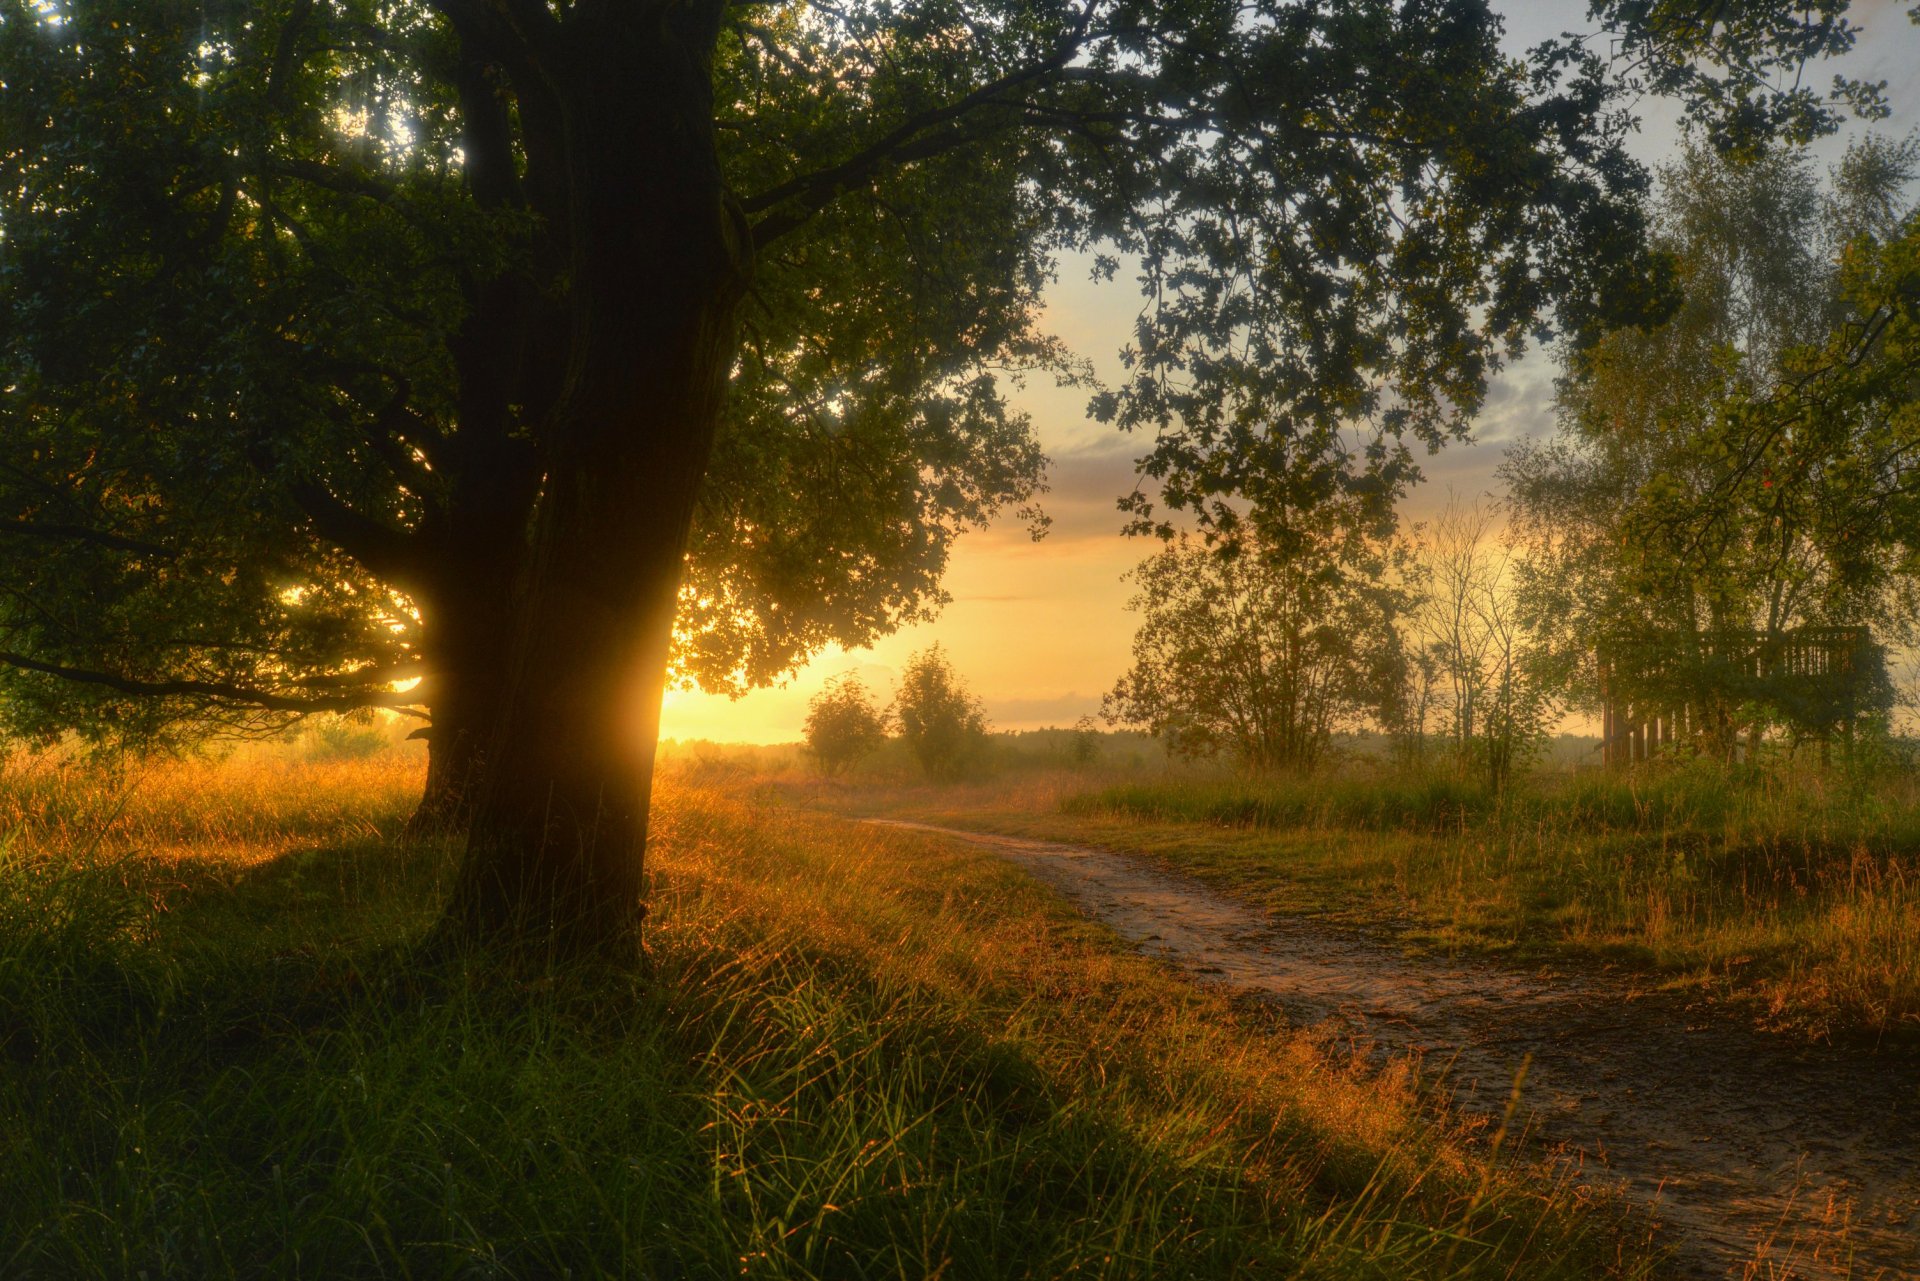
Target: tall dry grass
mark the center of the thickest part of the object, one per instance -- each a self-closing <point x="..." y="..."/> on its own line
<point x="851" y="1053"/>
<point x="1795" y="888"/>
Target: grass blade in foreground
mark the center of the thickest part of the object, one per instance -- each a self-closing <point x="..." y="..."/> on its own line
<point x="855" y="1054"/>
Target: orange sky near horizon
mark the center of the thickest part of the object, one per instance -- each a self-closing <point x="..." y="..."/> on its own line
<point x="1040" y="629"/>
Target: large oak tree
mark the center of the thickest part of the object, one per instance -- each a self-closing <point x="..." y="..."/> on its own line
<point x="480" y="340"/>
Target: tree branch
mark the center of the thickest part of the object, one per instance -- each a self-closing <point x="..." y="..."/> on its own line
<point x="908" y="141"/>
<point x="513" y="33"/>
<point x="770" y="45"/>
<point x="413" y="475"/>
<point x="387" y="553"/>
<point x="86" y="534"/>
<point x="218" y="692"/>
<point x="345" y="182"/>
<point x="284" y="51"/>
<point x="491" y="174"/>
<point x="401" y="439"/>
<point x="801" y="210"/>
<point x="403" y="672"/>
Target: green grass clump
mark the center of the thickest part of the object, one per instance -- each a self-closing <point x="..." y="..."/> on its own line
<point x="852" y="1053"/>
<point x="1737" y="803"/>
<point x="1382" y="803"/>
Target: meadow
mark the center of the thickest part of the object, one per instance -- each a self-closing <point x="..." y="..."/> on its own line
<point x="849" y="1053"/>
<point x="1789" y="891"/>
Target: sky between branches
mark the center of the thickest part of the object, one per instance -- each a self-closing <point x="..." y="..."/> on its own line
<point x="1041" y="630"/>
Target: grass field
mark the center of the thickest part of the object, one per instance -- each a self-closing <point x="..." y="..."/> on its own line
<point x="1794" y="892"/>
<point x="851" y="1053"/>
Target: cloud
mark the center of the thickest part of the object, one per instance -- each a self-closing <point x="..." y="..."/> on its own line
<point x="1038" y="713"/>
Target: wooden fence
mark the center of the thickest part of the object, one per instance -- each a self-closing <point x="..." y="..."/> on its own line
<point x="1663" y="689"/>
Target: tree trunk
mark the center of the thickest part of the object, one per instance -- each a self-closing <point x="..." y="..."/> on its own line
<point x="460" y="702"/>
<point x="657" y="264"/>
<point x="451" y="769"/>
<point x="468" y="606"/>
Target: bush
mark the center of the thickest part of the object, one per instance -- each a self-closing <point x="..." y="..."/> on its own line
<point x="346" y="738"/>
<point x="843" y="725"/>
<point x="1086" y="742"/>
<point x="940" y="719"/>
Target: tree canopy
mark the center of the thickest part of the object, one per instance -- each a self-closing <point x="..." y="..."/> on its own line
<point x="940" y="719"/>
<point x="843" y="725"/>
<point x="528" y="347"/>
<point x="1260" y="652"/>
<point x="253" y="278"/>
<point x="1745" y="466"/>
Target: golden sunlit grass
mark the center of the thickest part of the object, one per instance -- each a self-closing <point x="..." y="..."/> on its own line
<point x="249" y="811"/>
<point x="852" y="1053"/>
<point x="1795" y="890"/>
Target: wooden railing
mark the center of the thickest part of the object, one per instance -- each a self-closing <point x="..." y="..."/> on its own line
<point x="1657" y="691"/>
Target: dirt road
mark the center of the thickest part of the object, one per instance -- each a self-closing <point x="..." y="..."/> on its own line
<point x="1762" y="1159"/>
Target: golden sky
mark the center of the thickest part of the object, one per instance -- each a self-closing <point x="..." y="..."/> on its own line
<point x="1041" y="630"/>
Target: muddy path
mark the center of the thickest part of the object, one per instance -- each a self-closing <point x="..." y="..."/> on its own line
<point x="1760" y="1158"/>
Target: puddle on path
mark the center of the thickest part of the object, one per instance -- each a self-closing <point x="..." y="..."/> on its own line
<point x="1762" y="1158"/>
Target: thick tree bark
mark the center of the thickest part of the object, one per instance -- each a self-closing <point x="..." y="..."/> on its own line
<point x="467" y="605"/>
<point x="657" y="264"/>
<point x="461" y="696"/>
<point x="468" y="611"/>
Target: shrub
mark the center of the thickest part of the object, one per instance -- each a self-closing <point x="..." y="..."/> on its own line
<point x="346" y="738"/>
<point x="1086" y="742"/>
<point x="940" y="719"/>
<point x="843" y="725"/>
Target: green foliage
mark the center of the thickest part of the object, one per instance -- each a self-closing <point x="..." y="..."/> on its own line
<point x="1711" y="476"/>
<point x="1742" y="103"/>
<point x="294" y="295"/>
<point x="1837" y="444"/>
<point x="1698" y="795"/>
<point x="941" y="721"/>
<point x="843" y="725"/>
<point x="250" y="441"/>
<point x="185" y="331"/>
<point x="1086" y="742"/>
<point x="1415" y="802"/>
<point x="1261" y="649"/>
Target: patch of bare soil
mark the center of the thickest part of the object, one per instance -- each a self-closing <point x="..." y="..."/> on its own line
<point x="1759" y="1157"/>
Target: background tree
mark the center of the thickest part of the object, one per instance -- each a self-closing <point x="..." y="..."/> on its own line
<point x="1084" y="749"/>
<point x="1414" y="706"/>
<point x="1258" y="651"/>
<point x="1493" y="689"/>
<point x="350" y="343"/>
<point x="940" y="720"/>
<point x="843" y="726"/>
<point x="1673" y="502"/>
